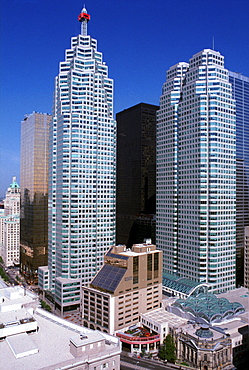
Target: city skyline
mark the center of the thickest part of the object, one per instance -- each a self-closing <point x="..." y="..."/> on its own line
<point x="152" y="38"/>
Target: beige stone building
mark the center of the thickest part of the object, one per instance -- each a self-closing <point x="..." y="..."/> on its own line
<point x="128" y="284"/>
<point x="203" y="348"/>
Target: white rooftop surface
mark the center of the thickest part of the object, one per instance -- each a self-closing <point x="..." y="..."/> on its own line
<point x="161" y="316"/>
<point x="240" y="295"/>
<point x="90" y="338"/>
<point x="52" y="341"/>
<point x="15" y="296"/>
<point x="16" y="315"/>
<point x="43" y="268"/>
<point x="231" y="327"/>
<point x="130" y="252"/>
<point x="22" y="345"/>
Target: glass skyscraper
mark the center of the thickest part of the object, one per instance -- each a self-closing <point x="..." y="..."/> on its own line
<point x="136" y="172"/>
<point x="196" y="172"/>
<point x="82" y="175"/>
<point x="240" y="89"/>
<point x="34" y="194"/>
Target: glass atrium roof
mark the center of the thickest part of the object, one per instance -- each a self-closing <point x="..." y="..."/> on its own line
<point x="209" y="307"/>
<point x="175" y="282"/>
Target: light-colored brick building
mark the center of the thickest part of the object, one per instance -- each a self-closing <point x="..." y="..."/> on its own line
<point x="129" y="283"/>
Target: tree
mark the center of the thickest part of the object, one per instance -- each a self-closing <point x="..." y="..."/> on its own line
<point x="162" y="352"/>
<point x="167" y="350"/>
<point x="45" y="306"/>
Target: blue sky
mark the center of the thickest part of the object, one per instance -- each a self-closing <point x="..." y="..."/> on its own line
<point x="139" y="39"/>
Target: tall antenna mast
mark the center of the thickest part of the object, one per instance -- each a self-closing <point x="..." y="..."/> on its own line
<point x="213" y="42"/>
<point x="84" y="18"/>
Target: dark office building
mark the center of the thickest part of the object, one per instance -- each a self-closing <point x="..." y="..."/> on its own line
<point x="240" y="91"/>
<point x="136" y="173"/>
<point x="34" y="194"/>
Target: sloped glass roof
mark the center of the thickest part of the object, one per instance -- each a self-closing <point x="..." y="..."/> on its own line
<point x="108" y="278"/>
<point x="119" y="256"/>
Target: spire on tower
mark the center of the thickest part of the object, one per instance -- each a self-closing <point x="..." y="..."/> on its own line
<point x="84" y="18"/>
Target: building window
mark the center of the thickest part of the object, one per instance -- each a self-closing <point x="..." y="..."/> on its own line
<point x="156" y="265"/>
<point x="135" y="269"/>
<point x="149" y="266"/>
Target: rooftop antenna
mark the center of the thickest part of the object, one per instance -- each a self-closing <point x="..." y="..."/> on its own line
<point x="84" y="18"/>
<point x="213" y="42"/>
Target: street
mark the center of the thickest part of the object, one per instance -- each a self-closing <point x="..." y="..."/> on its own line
<point x="128" y="363"/>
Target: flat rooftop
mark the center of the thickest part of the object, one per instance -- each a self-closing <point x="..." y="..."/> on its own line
<point x="161" y="316"/>
<point x="49" y="347"/>
<point x="240" y="295"/>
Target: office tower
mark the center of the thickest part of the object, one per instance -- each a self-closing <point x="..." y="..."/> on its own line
<point x="136" y="171"/>
<point x="128" y="284"/>
<point x="196" y="172"/>
<point x="82" y="174"/>
<point x="240" y="91"/>
<point x="10" y="226"/>
<point x="246" y="260"/>
<point x="34" y="194"/>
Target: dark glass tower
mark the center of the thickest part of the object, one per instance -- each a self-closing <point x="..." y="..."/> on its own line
<point x="136" y="173"/>
<point x="240" y="91"/>
<point x="34" y="194"/>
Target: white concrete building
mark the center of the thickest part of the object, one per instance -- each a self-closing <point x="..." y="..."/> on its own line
<point x="196" y="172"/>
<point x="82" y="173"/>
<point x="161" y="322"/>
<point x="10" y="226"/>
<point x="32" y="338"/>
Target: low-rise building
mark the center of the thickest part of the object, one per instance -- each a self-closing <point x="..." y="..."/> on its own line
<point x="129" y="284"/>
<point x="161" y="322"/>
<point x="203" y="347"/>
<point x="210" y="331"/>
<point x="32" y="338"/>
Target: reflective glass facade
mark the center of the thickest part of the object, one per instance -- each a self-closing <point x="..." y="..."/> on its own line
<point x="136" y="172"/>
<point x="34" y="193"/>
<point x="240" y="88"/>
<point x="82" y="175"/>
<point x="196" y="172"/>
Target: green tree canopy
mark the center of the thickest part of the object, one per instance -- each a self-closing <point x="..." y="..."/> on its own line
<point x="167" y="350"/>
